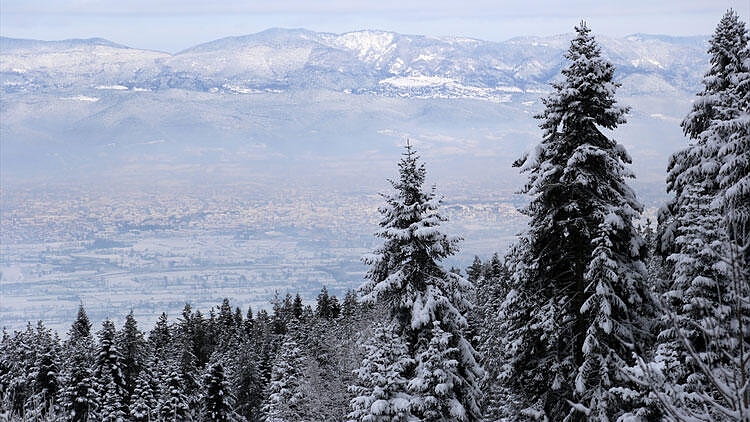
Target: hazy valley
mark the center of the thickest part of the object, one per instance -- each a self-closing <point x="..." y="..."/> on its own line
<point x="139" y="180"/>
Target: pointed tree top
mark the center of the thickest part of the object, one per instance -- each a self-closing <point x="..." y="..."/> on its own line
<point x="82" y="326"/>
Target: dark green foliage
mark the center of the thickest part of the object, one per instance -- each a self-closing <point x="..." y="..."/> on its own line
<point x="217" y="402"/>
<point x="81" y="327"/>
<point x="297" y="307"/>
<point x="327" y="306"/>
<point x="132" y="346"/>
<point x="160" y="337"/>
<point x="350" y="307"/>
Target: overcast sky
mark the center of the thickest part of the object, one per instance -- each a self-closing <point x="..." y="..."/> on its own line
<point x="174" y="25"/>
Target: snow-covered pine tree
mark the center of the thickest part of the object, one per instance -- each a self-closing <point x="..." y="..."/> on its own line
<point x="112" y="409"/>
<point x="241" y="362"/>
<point x="562" y="301"/>
<point x="217" y="400"/>
<point x="226" y="322"/>
<point x="381" y="390"/>
<point x="323" y="305"/>
<point x="733" y="54"/>
<point x="715" y="163"/>
<point x="81" y="326"/>
<point x="108" y="374"/>
<point x="249" y="321"/>
<point x="16" y="374"/>
<point x="239" y="319"/>
<point x="297" y="306"/>
<point x="204" y="342"/>
<point x="432" y="387"/>
<point x="47" y="376"/>
<point x="183" y="353"/>
<point x="284" y="399"/>
<point x="160" y="337"/>
<point x="263" y="340"/>
<point x="132" y="345"/>
<point x="173" y="403"/>
<point x="406" y="276"/>
<point x="80" y="399"/>
<point x="350" y="306"/>
<point x="703" y="350"/>
<point x="144" y="406"/>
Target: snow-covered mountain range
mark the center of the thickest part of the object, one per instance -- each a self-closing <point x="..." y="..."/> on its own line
<point x="95" y="107"/>
<point x="378" y="62"/>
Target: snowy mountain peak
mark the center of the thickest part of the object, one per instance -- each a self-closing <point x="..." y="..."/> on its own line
<point x="369" y="45"/>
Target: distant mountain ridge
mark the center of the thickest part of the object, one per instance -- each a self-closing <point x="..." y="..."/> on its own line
<point x="361" y="62"/>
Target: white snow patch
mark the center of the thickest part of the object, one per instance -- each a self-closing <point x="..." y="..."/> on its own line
<point x="82" y="98"/>
<point x="510" y="89"/>
<point x="239" y="89"/>
<point x="665" y="117"/>
<point x="640" y="62"/>
<point x="426" y="57"/>
<point x="369" y="45"/>
<point x="113" y="87"/>
<point x="416" y="81"/>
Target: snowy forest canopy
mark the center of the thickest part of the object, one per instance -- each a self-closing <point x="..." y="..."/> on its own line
<point x="587" y="317"/>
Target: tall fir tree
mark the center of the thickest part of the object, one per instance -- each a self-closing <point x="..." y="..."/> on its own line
<point x="241" y="364"/>
<point x="46" y="373"/>
<point x="80" y="398"/>
<point x="285" y="400"/>
<point x="108" y="373"/>
<point x="160" y="337"/>
<point x="183" y="349"/>
<point x="702" y="349"/>
<point x="81" y="326"/>
<point x="578" y="305"/>
<point x="350" y="306"/>
<point x="407" y="277"/>
<point x="217" y="400"/>
<point x="17" y="377"/>
<point x="132" y="346"/>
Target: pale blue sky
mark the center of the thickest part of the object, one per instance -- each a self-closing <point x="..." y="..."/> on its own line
<point x="174" y="25"/>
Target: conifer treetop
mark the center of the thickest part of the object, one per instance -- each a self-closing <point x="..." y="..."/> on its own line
<point x="728" y="51"/>
<point x="579" y="108"/>
<point x="406" y="271"/>
<point x="586" y="95"/>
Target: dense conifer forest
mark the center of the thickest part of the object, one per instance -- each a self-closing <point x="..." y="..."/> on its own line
<point x="593" y="314"/>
